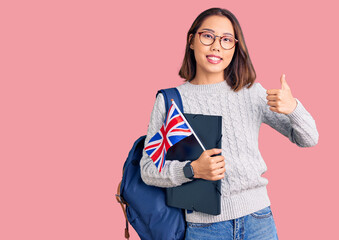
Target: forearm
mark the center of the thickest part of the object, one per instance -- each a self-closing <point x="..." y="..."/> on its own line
<point x="304" y="131"/>
<point x="171" y="175"/>
<point x="298" y="126"/>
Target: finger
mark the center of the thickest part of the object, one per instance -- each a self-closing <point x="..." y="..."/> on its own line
<point x="220" y="171"/>
<point x="273" y="91"/>
<point x="274" y="109"/>
<point x="219" y="165"/>
<point x="272" y="97"/>
<point x="213" y="151"/>
<point x="218" y="177"/>
<point x="284" y="84"/>
<point x="272" y="103"/>
<point x="217" y="168"/>
<point x="219" y="158"/>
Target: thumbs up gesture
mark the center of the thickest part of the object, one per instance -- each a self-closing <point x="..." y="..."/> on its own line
<point x="281" y="100"/>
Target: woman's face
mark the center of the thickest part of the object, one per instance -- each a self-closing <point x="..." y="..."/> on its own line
<point x="218" y="25"/>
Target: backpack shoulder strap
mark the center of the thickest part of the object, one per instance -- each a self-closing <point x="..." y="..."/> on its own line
<point x="171" y="93"/>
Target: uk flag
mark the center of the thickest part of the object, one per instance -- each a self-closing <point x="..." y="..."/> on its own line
<point x="174" y="129"/>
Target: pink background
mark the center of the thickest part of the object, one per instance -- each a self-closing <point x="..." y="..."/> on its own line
<point x="78" y="84"/>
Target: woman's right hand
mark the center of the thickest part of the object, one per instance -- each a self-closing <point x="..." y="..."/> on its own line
<point x="208" y="167"/>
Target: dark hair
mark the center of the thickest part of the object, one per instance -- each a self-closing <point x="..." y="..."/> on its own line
<point x="239" y="72"/>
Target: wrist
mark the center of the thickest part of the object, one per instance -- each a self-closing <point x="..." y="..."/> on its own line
<point x="188" y="171"/>
<point x="294" y="106"/>
<point x="194" y="166"/>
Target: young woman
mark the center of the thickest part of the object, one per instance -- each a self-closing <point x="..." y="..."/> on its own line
<point x="220" y="80"/>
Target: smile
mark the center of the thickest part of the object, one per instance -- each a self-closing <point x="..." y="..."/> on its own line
<point x="213" y="60"/>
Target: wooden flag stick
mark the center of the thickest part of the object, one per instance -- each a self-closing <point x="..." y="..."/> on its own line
<point x="189" y="126"/>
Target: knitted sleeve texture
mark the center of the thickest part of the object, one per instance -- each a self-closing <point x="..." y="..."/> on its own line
<point x="172" y="174"/>
<point x="299" y="126"/>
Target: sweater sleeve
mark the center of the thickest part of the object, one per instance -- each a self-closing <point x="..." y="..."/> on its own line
<point x="298" y="126"/>
<point x="172" y="174"/>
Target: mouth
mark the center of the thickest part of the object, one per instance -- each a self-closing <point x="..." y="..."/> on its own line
<point x="213" y="59"/>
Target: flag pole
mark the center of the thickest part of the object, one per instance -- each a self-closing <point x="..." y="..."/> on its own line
<point x="189" y="126"/>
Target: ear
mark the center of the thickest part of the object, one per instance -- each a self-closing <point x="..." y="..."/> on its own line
<point x="190" y="37"/>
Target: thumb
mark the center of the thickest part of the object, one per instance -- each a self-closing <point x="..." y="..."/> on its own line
<point x="283" y="82"/>
<point x="213" y="151"/>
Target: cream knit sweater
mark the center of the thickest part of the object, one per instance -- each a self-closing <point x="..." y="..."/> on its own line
<point x="243" y="188"/>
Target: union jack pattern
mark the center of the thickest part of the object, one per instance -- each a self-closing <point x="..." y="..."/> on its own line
<point x="172" y="131"/>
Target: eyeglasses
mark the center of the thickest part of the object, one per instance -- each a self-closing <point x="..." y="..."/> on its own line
<point x="226" y="42"/>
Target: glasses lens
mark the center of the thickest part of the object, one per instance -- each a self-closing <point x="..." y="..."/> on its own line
<point x="227" y="42"/>
<point x="206" y="38"/>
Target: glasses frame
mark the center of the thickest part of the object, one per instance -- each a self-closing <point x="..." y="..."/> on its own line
<point x="215" y="36"/>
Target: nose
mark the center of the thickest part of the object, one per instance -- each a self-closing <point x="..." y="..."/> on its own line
<point x="216" y="45"/>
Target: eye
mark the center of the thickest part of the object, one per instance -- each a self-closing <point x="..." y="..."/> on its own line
<point x="228" y="39"/>
<point x="208" y="35"/>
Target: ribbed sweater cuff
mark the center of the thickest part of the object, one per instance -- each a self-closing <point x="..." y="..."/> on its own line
<point x="178" y="173"/>
<point x="297" y="115"/>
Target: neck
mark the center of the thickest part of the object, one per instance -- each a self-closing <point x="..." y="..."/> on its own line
<point x="207" y="78"/>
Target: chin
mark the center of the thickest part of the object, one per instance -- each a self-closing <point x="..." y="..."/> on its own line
<point x="216" y="69"/>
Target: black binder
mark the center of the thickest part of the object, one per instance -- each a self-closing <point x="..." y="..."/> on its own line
<point x="199" y="195"/>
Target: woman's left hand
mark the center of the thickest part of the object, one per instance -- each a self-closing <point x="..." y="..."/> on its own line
<point x="281" y="100"/>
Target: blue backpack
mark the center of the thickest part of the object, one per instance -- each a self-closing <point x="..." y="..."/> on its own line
<point x="145" y="206"/>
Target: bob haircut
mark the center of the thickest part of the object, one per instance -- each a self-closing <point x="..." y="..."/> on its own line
<point x="239" y="72"/>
